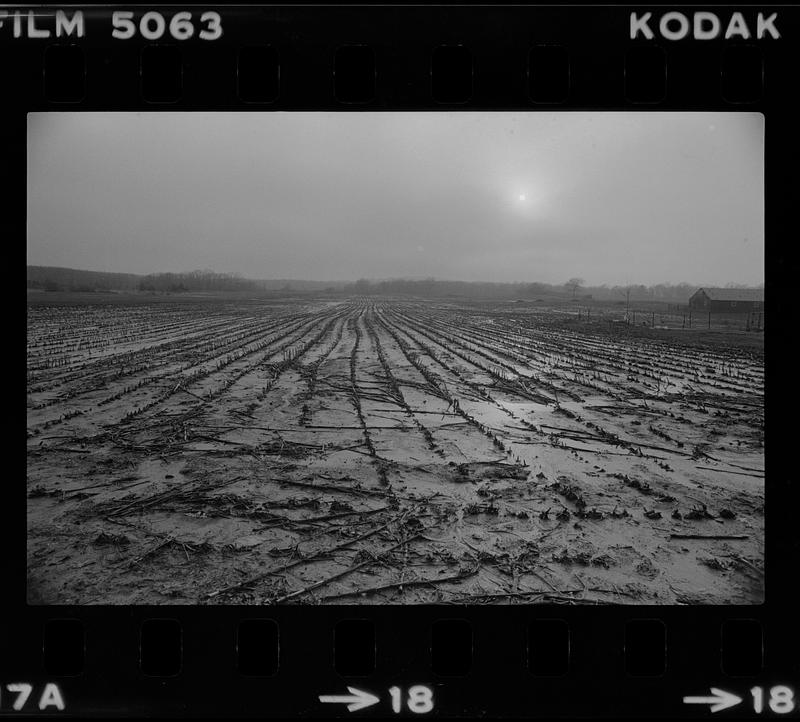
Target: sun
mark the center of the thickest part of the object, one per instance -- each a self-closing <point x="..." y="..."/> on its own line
<point x="522" y="199"/>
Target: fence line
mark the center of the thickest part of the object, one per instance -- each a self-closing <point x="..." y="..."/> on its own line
<point x="674" y="316"/>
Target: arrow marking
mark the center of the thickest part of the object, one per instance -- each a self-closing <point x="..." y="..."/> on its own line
<point x="357" y="699"/>
<point x="719" y="700"/>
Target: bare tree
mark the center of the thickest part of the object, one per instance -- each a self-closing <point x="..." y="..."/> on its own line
<point x="574" y="284"/>
<point x="626" y="291"/>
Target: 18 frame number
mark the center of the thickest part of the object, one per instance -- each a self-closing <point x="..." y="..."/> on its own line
<point x="153" y="25"/>
<point x="780" y="699"/>
<point x="419" y="699"/>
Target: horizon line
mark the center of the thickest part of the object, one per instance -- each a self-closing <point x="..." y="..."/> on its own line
<point x="239" y="276"/>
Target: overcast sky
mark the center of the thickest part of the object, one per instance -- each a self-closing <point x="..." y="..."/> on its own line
<point x="612" y="198"/>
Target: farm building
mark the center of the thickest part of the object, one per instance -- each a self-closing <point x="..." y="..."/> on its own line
<point x="728" y="300"/>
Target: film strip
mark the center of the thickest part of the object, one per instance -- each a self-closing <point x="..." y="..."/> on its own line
<point x="337" y="475"/>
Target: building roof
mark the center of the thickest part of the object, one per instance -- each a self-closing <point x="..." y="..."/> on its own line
<point x="734" y="294"/>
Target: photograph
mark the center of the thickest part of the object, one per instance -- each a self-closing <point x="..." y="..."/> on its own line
<point x="397" y="358"/>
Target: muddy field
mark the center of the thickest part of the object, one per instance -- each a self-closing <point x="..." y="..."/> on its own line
<point x="374" y="450"/>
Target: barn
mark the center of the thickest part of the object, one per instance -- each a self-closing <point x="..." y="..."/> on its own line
<point x="728" y="300"/>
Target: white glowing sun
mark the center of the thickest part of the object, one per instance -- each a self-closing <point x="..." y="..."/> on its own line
<point x="522" y="196"/>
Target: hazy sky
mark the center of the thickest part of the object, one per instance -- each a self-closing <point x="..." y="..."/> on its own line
<point x="609" y="197"/>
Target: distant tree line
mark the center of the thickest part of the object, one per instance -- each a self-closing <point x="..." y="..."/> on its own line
<point x="194" y="281"/>
<point x="571" y="289"/>
<point x="49" y="278"/>
<point x="667" y="292"/>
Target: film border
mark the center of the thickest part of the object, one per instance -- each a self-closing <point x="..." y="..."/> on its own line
<point x="499" y="39"/>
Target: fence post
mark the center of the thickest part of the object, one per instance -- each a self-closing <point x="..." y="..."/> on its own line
<point x="683" y="325"/>
<point x="709" y="320"/>
<point x="759" y="321"/>
<point x="653" y="321"/>
<point x="690" y="318"/>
